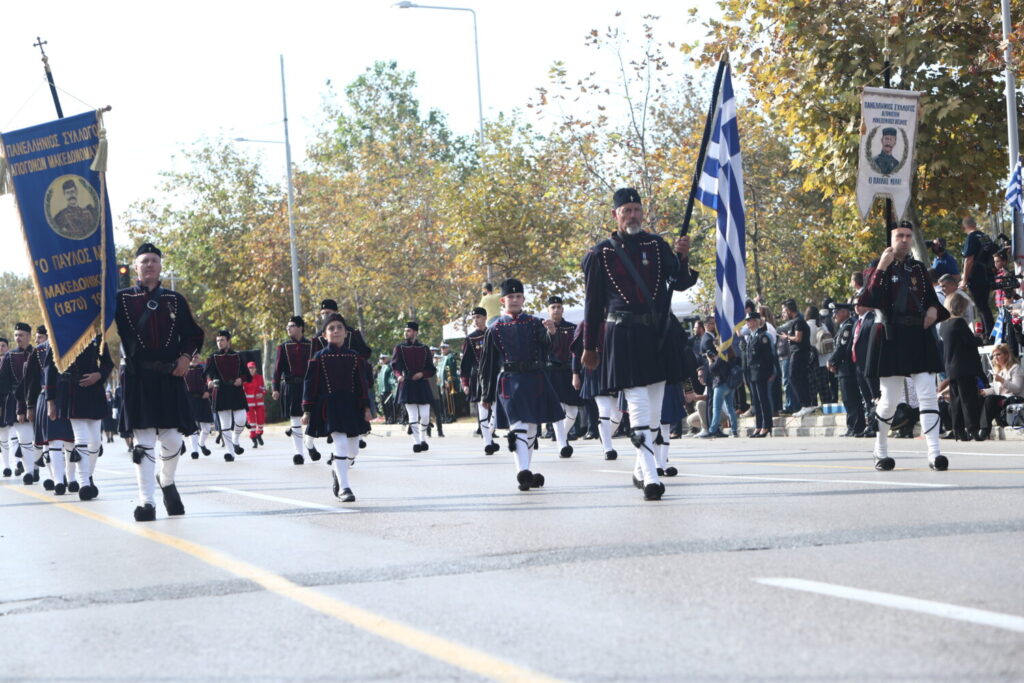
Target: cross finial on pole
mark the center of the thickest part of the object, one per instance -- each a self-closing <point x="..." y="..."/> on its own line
<point x="39" y="43"/>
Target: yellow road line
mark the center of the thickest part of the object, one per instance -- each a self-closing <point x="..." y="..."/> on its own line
<point x="449" y="652"/>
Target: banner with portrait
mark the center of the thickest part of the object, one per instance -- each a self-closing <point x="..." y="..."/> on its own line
<point x="888" y="134"/>
<point x="65" y="217"/>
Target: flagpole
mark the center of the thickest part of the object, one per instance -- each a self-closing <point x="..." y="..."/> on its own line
<point x="685" y="228"/>
<point x="49" y="76"/>
<point x="1013" y="143"/>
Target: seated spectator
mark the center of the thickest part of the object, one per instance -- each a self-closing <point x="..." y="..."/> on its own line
<point x="1007" y="387"/>
<point x="963" y="369"/>
<point x="698" y="419"/>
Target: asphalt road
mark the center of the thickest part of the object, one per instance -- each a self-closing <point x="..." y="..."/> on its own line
<point x="781" y="558"/>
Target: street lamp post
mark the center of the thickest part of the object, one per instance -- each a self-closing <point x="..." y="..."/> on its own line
<point x="296" y="298"/>
<point x="405" y="4"/>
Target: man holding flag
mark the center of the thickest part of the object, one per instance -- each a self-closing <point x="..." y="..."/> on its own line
<point x="628" y="280"/>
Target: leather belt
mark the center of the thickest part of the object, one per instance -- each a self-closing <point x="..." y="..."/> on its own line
<point x="629" y="318"/>
<point x="522" y="366"/>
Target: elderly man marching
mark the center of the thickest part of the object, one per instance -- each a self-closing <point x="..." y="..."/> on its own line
<point x="628" y="279"/>
<point x="899" y="288"/>
<point x="513" y="379"/>
<point x="158" y="338"/>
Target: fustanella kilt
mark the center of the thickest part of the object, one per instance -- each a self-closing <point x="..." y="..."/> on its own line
<point x="337" y="413"/>
<point x="561" y="381"/>
<point x="415" y="391"/>
<point x="632" y="356"/>
<point x="291" y="397"/>
<point x="201" y="409"/>
<point x="526" y="397"/>
<point x="156" y="399"/>
<point x="47" y="430"/>
<point x="903" y="350"/>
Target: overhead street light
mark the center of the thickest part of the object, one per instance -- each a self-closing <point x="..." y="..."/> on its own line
<point x="405" y="4"/>
<point x="296" y="298"/>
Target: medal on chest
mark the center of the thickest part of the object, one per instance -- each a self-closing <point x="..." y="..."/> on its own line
<point x="643" y="258"/>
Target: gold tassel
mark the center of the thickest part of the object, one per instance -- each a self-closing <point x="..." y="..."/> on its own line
<point x="99" y="163"/>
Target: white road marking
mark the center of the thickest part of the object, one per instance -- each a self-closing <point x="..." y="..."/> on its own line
<point x="802" y="480"/>
<point x="1008" y="622"/>
<point x="284" y="501"/>
<point x="952" y="453"/>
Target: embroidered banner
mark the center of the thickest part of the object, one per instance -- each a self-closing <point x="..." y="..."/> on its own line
<point x="65" y="216"/>
<point x="888" y="132"/>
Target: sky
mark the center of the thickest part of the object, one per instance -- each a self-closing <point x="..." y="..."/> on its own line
<point x="176" y="73"/>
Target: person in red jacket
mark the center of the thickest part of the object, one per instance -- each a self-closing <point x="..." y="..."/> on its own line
<point x="257" y="412"/>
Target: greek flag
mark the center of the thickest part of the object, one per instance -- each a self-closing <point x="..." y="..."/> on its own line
<point x="721" y="189"/>
<point x="1000" y="328"/>
<point x="1014" y="198"/>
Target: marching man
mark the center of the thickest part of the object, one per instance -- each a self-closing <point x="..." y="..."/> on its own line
<point x="469" y="371"/>
<point x="513" y="379"/>
<point x="289" y="372"/>
<point x="158" y="338"/>
<point x="226" y="375"/>
<point x="626" y="279"/>
<point x="413" y="365"/>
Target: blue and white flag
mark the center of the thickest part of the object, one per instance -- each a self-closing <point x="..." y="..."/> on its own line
<point x="721" y="189"/>
<point x="1014" y="198"/>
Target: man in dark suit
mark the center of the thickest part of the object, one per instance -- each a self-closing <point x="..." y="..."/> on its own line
<point x="841" y="363"/>
<point x="860" y="343"/>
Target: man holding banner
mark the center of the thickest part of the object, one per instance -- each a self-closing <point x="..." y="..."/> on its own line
<point x="158" y="338"/>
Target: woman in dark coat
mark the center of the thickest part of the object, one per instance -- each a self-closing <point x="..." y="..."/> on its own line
<point x="963" y="368"/>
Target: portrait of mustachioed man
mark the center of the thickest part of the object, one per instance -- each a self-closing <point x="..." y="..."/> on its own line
<point x="72" y="207"/>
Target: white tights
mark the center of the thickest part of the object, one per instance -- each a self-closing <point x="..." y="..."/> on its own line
<point x="419" y="418"/>
<point x="645" y="420"/>
<point x="608" y="418"/>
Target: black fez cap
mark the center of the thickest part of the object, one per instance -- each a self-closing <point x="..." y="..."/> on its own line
<point x="42" y="330"/>
<point x="329" y="304"/>
<point x="148" y="248"/>
<point x="298" y="321"/>
<point x="479" y="310"/>
<point x="22" y="327"/>
<point x="753" y="315"/>
<point x="412" y="325"/>
<point x="68" y="185"/>
<point x="625" y="195"/>
<point x="554" y="300"/>
<point x="224" y="333"/>
<point x="5" y="340"/>
<point x="511" y="286"/>
<point x="840" y="306"/>
<point x="335" y="318"/>
<point x="905" y="224"/>
<point x="889" y="131"/>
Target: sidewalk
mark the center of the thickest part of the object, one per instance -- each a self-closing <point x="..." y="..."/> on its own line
<point x="815" y="425"/>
